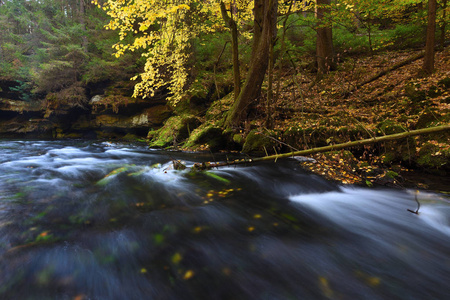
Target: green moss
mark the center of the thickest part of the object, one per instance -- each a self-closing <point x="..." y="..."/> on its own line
<point x="412" y="92"/>
<point x="207" y="134"/>
<point x="426" y="118"/>
<point x="387" y="127"/>
<point x="238" y="138"/>
<point x="391" y="174"/>
<point x="257" y="142"/>
<point x="432" y="156"/>
<point x="388" y="157"/>
<point x="219" y="108"/>
<point x="174" y="131"/>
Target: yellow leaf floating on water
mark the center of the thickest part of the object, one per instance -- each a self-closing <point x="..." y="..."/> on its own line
<point x="143" y="270"/>
<point x="198" y="229"/>
<point x="188" y="275"/>
<point x="43" y="234"/>
<point x="373" y="281"/>
<point x="176" y="258"/>
<point x="325" y="287"/>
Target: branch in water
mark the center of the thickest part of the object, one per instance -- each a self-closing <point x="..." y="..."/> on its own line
<point x="418" y="205"/>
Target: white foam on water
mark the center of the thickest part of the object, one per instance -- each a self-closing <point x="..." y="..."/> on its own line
<point x="165" y="174"/>
<point x="436" y="218"/>
<point x="373" y="212"/>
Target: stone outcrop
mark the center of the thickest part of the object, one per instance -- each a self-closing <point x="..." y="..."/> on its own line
<point x="107" y="115"/>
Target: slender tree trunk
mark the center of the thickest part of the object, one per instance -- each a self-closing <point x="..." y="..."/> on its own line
<point x="444" y="23"/>
<point x="231" y="23"/>
<point x="324" y="43"/>
<point x="84" y="40"/>
<point x="269" y="99"/>
<point x="265" y="19"/>
<point x="428" y="62"/>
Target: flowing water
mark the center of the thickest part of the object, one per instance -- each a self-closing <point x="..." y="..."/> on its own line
<point x="91" y="220"/>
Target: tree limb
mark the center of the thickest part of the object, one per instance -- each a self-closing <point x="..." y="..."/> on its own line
<point x="396" y="136"/>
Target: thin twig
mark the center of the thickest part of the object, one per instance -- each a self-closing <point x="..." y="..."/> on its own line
<point x="418" y="205"/>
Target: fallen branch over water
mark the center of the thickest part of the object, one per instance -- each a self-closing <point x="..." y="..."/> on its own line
<point x="396" y="136"/>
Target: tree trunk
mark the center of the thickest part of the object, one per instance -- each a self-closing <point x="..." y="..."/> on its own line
<point x="444" y="23"/>
<point x="84" y="40"/>
<point x="428" y="62"/>
<point x="324" y="43"/>
<point x="265" y="16"/>
<point x="269" y="99"/>
<point x="231" y="23"/>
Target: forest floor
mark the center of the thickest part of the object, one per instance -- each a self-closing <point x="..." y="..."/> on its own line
<point x="307" y="114"/>
<point x="399" y="101"/>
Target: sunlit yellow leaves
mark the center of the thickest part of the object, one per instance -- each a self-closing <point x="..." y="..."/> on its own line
<point x="164" y="30"/>
<point x="161" y="27"/>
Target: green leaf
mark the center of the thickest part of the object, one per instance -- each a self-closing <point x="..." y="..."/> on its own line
<point x="217" y="177"/>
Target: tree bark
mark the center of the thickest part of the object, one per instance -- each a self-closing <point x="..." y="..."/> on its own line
<point x="428" y="62"/>
<point x="265" y="17"/>
<point x="324" y="43"/>
<point x="231" y="23"/>
<point x="444" y="23"/>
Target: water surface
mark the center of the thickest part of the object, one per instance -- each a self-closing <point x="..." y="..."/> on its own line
<point x="92" y="220"/>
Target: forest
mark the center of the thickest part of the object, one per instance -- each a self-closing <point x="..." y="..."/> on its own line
<point x="224" y="149"/>
<point x="261" y="77"/>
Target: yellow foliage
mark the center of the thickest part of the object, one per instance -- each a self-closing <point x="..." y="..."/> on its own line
<point x="164" y="29"/>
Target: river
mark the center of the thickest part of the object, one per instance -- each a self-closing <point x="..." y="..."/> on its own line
<point x="97" y="220"/>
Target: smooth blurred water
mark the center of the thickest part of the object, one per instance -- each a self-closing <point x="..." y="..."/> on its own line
<point x="92" y="220"/>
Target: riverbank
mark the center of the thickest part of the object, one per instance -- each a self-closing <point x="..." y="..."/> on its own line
<point x="303" y="114"/>
<point x="306" y="114"/>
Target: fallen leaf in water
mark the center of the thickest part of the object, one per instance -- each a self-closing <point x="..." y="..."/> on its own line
<point x="325" y="287"/>
<point x="176" y="258"/>
<point x="188" y="275"/>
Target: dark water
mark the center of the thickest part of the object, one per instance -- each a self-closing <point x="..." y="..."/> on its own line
<point x="83" y="220"/>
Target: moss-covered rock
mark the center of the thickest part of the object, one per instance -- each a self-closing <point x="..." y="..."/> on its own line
<point x="387" y="127"/>
<point x="434" y="155"/>
<point x="174" y="131"/>
<point x="207" y="135"/>
<point x="427" y="118"/>
<point x="413" y="92"/>
<point x="257" y="142"/>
